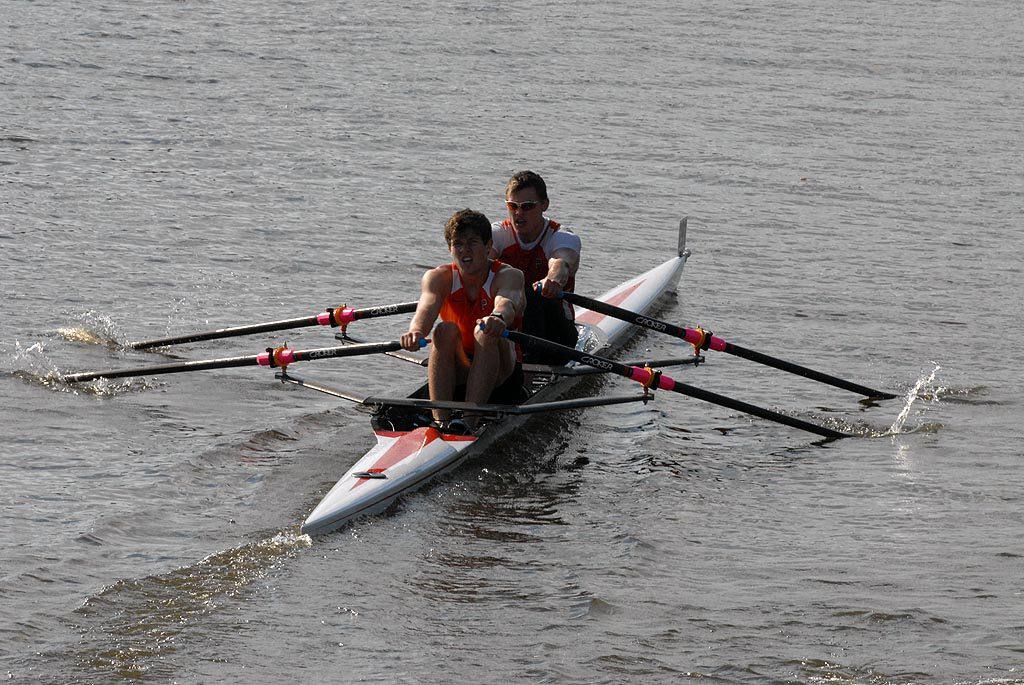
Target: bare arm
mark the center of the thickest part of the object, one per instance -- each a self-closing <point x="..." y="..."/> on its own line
<point x="562" y="263"/>
<point x="509" y="301"/>
<point x="432" y="289"/>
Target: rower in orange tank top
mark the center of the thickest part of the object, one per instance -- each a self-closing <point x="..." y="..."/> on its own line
<point x="477" y="298"/>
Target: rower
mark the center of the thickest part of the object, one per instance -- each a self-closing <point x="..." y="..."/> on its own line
<point x="548" y="254"/>
<point x="477" y="298"/>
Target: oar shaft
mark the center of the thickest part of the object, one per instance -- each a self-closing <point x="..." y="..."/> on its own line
<point x="162" y="368"/>
<point x="707" y="340"/>
<point x="269" y="326"/>
<point x="279" y="357"/>
<point x="690" y="335"/>
<point x="783" y="365"/>
<point x="337" y="316"/>
<point x="339" y="351"/>
<point x="664" y="382"/>
<point x="740" y="405"/>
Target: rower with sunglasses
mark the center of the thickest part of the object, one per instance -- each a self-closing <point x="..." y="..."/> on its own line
<point x="548" y="254"/>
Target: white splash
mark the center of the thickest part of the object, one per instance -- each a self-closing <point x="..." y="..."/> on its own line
<point x="35" y="356"/>
<point x="922" y="385"/>
<point x="92" y="328"/>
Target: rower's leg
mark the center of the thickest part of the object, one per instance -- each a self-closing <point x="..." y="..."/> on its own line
<point x="493" y="362"/>
<point x="448" y="365"/>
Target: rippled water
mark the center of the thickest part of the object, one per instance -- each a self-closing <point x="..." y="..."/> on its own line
<point x="853" y="174"/>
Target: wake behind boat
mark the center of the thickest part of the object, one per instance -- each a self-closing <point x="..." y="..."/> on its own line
<point x="410" y="451"/>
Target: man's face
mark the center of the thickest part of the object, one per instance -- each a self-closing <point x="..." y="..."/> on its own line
<point x="526" y="212"/>
<point x="470" y="253"/>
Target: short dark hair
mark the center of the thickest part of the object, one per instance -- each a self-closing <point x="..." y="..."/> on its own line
<point x="521" y="180"/>
<point x="467" y="221"/>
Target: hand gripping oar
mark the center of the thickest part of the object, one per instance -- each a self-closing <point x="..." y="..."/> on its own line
<point x="339" y="316"/>
<point x="703" y="340"/>
<point x="655" y="379"/>
<point x="276" y="358"/>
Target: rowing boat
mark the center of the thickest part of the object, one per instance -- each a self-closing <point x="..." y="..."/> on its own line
<point x="409" y="451"/>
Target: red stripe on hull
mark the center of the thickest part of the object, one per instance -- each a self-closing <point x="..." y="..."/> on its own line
<point x="594" y="318"/>
<point x="407" y="444"/>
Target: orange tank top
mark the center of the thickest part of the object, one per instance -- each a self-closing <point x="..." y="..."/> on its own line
<point x="458" y="309"/>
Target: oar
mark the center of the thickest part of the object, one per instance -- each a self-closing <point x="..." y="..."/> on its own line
<point x="279" y="357"/>
<point x="656" y="379"/>
<point x="339" y="316"/>
<point x="704" y="340"/>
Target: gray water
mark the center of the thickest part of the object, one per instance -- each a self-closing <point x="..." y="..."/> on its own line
<point x="853" y="174"/>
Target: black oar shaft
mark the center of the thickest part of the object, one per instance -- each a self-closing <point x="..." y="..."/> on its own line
<point x="740" y="405"/>
<point x="798" y="370"/>
<point x="345" y="351"/>
<point x="696" y="337"/>
<point x="666" y="383"/>
<point x="284" y="325"/>
<point x="328" y="317"/>
<point x="157" y="369"/>
<point x="626" y="315"/>
<point x="273" y="358"/>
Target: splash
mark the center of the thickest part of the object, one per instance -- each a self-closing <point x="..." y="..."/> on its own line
<point x="40" y="369"/>
<point x="925" y="390"/>
<point x="35" y="353"/>
<point x="93" y="329"/>
<point x="83" y="335"/>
